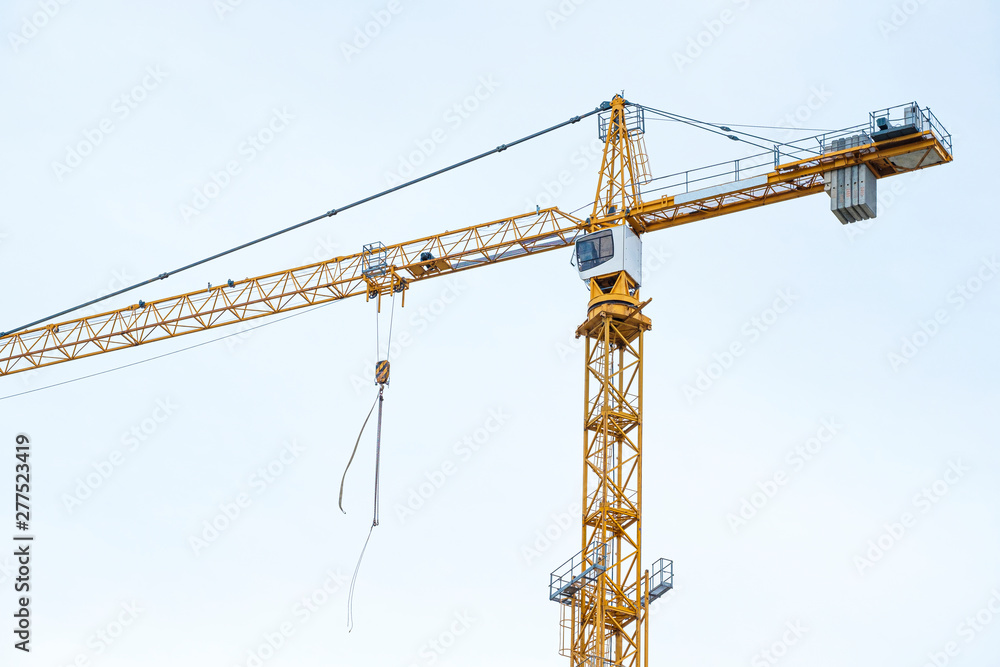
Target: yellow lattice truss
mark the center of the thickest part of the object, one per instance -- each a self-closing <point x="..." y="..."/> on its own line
<point x="604" y="625"/>
<point x="471" y="247"/>
<point x="623" y="165"/>
<point x="315" y="284"/>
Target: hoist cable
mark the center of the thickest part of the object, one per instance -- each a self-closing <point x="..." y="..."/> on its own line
<point x="392" y="316"/>
<point x="378" y="455"/>
<point x="330" y="213"/>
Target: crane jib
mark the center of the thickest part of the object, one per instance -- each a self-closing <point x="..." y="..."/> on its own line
<point x="666" y="201"/>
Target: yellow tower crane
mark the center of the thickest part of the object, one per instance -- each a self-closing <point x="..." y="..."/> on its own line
<point x="604" y="592"/>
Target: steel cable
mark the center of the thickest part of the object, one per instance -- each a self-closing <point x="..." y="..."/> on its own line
<point x="330" y="213"/>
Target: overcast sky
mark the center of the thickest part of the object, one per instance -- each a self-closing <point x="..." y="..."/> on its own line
<point x="140" y="136"/>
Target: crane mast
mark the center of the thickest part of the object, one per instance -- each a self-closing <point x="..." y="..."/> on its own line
<point x="612" y="611"/>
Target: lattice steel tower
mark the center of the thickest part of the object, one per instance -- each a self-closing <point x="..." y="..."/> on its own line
<point x="604" y="591"/>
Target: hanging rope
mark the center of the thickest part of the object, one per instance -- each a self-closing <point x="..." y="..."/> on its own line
<point x="375" y="510"/>
<point x="340" y="500"/>
<point x="354" y="579"/>
<point x="381" y="379"/>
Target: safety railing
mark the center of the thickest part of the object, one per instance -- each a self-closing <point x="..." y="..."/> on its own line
<point x="747" y="167"/>
<point x="760" y="164"/>
<point x="661" y="579"/>
<point x="582" y="569"/>
<point x="374" y="259"/>
<point x="912" y="113"/>
<point x="635" y="122"/>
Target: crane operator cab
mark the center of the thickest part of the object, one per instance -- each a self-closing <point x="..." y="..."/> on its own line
<point x="604" y="254"/>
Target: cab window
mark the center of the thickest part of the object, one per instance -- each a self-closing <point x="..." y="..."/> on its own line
<point x="594" y="250"/>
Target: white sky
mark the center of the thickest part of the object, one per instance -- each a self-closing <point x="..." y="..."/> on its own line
<point x="497" y="340"/>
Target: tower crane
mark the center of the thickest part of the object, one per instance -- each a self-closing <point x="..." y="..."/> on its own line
<point x="603" y="591"/>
